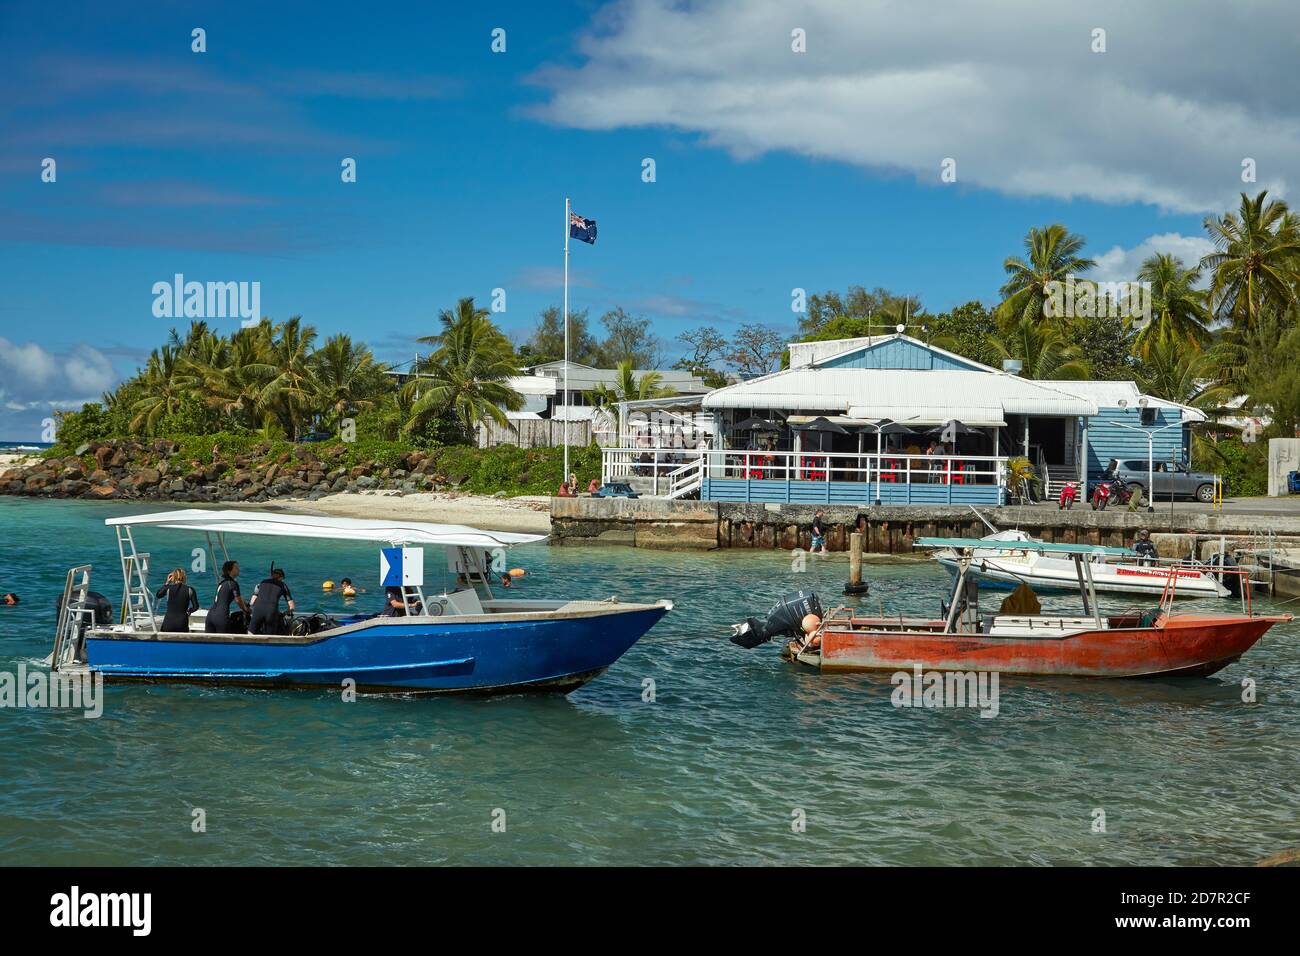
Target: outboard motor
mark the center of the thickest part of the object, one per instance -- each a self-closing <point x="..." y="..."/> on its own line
<point x="784" y="620"/>
<point x="1230" y="581"/>
<point x="102" y="611"/>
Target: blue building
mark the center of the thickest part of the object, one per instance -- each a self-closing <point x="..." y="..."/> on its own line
<point x="856" y="421"/>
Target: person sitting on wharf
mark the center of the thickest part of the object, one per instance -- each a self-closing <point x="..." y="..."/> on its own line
<point x="593" y="486"/>
<point x="181" y="603"/>
<point x="267" y="618"/>
<point x="220" y="620"/>
<point x="9" y="600"/>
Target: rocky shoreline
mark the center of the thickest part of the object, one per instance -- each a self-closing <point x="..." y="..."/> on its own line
<point x="128" y="469"/>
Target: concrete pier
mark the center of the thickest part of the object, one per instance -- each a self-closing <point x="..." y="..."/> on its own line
<point x="890" y="529"/>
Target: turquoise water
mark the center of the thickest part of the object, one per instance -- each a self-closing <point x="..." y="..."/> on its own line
<point x="711" y="772"/>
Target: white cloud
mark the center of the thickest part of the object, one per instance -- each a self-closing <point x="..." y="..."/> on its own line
<point x="1010" y="89"/>
<point x="1118" y="264"/>
<point x="34" y="381"/>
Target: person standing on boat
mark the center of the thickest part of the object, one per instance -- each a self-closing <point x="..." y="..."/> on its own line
<point x="266" y="617"/>
<point x="220" y="620"/>
<point x="181" y="603"/>
<point x="1145" y="548"/>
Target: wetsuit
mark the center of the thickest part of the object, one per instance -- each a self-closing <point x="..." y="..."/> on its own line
<point x="1146" y="552"/>
<point x="394" y="594"/>
<point x="218" y="620"/>
<point x="266" y="607"/>
<point x="181" y="603"/>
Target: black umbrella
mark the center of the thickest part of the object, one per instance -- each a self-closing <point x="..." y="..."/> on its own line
<point x="755" y="424"/>
<point x="823" y="424"/>
<point x="952" y="427"/>
<point x="887" y="426"/>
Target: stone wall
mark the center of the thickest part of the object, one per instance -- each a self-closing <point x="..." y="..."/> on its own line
<point x="658" y="523"/>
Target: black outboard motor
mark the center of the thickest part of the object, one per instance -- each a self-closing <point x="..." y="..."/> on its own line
<point x="1230" y="581"/>
<point x="784" y="620"/>
<point x="102" y="609"/>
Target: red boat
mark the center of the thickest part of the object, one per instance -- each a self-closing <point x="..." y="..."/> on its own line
<point x="1154" y="643"/>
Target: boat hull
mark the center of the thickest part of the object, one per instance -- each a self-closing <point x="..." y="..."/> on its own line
<point x="476" y="654"/>
<point x="1192" y="644"/>
<point x="1046" y="575"/>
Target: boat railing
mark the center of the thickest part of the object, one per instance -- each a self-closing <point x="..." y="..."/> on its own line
<point x="75" y="616"/>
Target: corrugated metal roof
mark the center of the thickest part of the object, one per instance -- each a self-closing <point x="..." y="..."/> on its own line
<point x="1110" y="394"/>
<point x="877" y="393"/>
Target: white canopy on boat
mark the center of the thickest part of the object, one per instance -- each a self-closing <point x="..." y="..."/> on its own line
<point x="336" y="529"/>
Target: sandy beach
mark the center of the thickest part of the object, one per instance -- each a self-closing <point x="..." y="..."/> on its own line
<point x="528" y="513"/>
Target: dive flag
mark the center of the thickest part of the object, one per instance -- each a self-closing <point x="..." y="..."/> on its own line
<point x="584" y="229"/>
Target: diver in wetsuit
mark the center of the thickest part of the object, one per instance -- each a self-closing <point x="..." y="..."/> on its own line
<point x="266" y="618"/>
<point x="220" y="620"/>
<point x="181" y="602"/>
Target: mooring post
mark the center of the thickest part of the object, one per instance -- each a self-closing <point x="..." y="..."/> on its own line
<point x="855" y="585"/>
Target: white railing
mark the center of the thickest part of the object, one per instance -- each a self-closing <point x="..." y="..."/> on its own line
<point x="887" y="467"/>
<point x="686" y="479"/>
<point x="677" y="471"/>
<point x="655" y="464"/>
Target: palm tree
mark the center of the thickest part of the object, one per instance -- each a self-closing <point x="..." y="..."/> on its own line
<point x="346" y="379"/>
<point x="466" y="376"/>
<point x="1045" y="350"/>
<point x="1178" y="309"/>
<point x="628" y="388"/>
<point x="233" y="375"/>
<point x="1258" y="259"/>
<point x="1178" y="374"/>
<point x="1052" y="255"/>
<point x="287" y="393"/>
<point x="164" y="387"/>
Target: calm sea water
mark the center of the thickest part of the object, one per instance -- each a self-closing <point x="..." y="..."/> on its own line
<point x="711" y="772"/>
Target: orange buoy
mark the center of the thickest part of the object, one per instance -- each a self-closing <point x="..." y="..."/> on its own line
<point x="327" y="585"/>
<point x="517" y="572"/>
<point x="810" y="623"/>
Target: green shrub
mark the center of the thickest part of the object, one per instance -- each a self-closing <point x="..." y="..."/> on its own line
<point x="1243" y="466"/>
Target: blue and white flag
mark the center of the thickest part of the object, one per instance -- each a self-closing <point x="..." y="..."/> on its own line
<point x="584" y="229"/>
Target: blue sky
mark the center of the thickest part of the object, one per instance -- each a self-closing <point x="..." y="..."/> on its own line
<point x="815" y="170"/>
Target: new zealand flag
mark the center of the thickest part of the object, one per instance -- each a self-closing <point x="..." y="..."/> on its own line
<point x="584" y="229"/>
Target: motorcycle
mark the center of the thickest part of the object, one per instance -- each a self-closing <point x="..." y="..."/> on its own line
<point x="1069" y="494"/>
<point x="1105" y="490"/>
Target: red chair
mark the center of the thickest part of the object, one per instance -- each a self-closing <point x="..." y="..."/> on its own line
<point x="889" y="472"/>
<point x="957" y="477"/>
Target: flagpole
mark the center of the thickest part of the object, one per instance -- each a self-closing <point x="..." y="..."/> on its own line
<point x="565" y="427"/>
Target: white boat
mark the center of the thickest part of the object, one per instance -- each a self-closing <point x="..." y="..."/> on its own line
<point x="1013" y="557"/>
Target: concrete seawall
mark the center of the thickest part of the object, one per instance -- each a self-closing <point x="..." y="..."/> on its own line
<point x="658" y="523"/>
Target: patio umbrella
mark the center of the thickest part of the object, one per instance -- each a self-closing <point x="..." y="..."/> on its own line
<point x="822" y="424"/>
<point x="886" y="426"/>
<point x="755" y="424"/>
<point x="952" y="427"/>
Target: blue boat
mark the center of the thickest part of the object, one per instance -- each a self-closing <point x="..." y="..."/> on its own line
<point x="463" y="640"/>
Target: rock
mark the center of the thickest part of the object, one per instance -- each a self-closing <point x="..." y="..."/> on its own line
<point x="103" y="492"/>
<point x="116" y="460"/>
<point x="72" y="489"/>
<point x="252" y="491"/>
<point x="365" y="481"/>
<point x="176" y="486"/>
<point x="144" y="478"/>
<point x="74" y="473"/>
